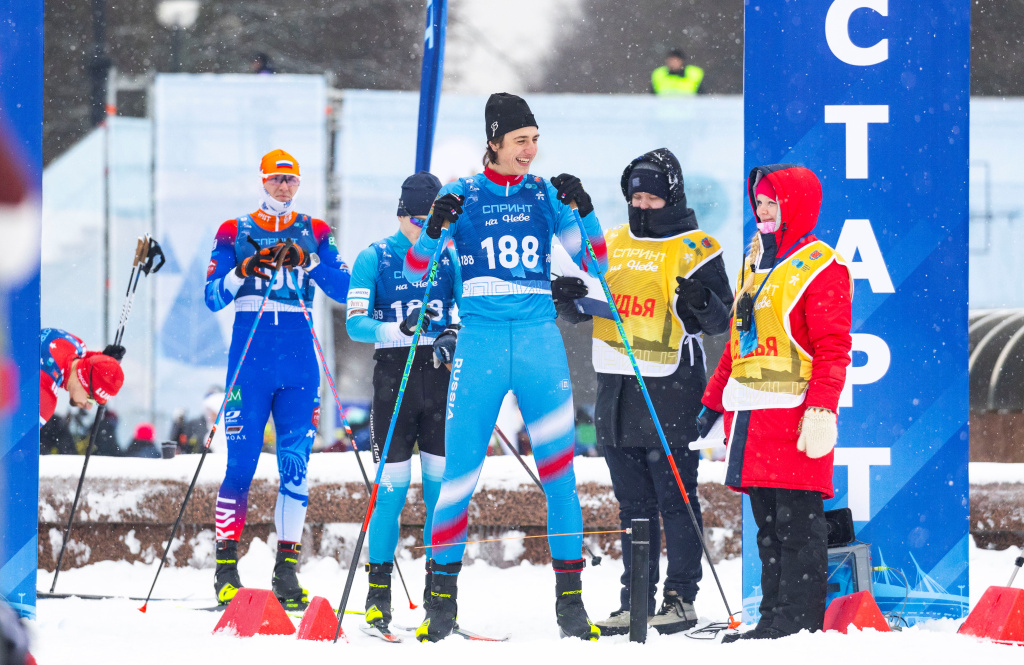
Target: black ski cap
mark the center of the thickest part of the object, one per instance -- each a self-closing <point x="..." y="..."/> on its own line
<point x="506" y="113"/>
<point x="418" y="193"/>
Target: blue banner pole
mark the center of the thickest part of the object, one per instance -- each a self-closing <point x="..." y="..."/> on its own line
<point x="21" y="146"/>
<point x="430" y="80"/>
<point x="875" y="100"/>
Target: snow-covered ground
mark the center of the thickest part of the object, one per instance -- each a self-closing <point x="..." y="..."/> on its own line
<point x="518" y="602"/>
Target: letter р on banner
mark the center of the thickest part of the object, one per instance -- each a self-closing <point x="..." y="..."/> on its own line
<point x="874" y="100"/>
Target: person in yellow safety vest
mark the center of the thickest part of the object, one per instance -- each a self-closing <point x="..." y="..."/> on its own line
<point x="676" y="77"/>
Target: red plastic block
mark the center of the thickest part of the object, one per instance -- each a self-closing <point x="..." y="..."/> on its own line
<point x="255" y="612"/>
<point x="319" y="623"/>
<point x="858" y="610"/>
<point x="998" y="616"/>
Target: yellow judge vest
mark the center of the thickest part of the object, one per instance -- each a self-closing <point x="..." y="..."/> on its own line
<point x="642" y="277"/>
<point x="776" y="374"/>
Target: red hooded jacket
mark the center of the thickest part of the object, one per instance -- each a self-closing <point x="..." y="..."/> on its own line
<point x="820" y="322"/>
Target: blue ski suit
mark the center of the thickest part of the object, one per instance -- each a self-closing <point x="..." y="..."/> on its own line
<point x="379" y="299"/>
<point x="508" y="342"/>
<point x="280" y="374"/>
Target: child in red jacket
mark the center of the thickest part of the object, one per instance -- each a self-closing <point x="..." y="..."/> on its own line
<point x="778" y="385"/>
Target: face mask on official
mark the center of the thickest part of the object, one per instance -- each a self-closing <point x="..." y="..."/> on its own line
<point x="767" y="207"/>
<point x="272" y="206"/>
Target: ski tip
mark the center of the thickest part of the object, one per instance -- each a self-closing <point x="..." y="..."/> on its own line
<point x="143" y="608"/>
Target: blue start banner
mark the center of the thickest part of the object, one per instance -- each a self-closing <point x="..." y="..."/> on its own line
<point x="872" y="95"/>
<point x="21" y="147"/>
<point x="431" y="77"/>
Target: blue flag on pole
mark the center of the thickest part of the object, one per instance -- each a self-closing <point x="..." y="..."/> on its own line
<point x="430" y="80"/>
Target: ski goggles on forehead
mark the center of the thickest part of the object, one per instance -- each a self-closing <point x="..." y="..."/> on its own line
<point x="281" y="179"/>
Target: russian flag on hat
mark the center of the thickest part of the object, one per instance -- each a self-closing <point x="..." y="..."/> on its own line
<point x="278" y="162"/>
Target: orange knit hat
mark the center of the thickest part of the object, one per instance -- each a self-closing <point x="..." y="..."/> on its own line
<point x="278" y="162"/>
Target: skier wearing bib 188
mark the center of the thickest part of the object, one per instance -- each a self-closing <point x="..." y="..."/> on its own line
<point x="280" y="374"/>
<point x="503" y="221"/>
<point x="383" y="308"/>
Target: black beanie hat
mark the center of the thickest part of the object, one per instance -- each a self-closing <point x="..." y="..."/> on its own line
<point x="506" y="113"/>
<point x="648" y="177"/>
<point x="418" y="193"/>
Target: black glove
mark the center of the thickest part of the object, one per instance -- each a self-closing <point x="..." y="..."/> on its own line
<point x="706" y="420"/>
<point x="568" y="288"/>
<point x="295" y="256"/>
<point x="446" y="209"/>
<point x="691" y="291"/>
<point x="260" y="263"/>
<point x="409" y="325"/>
<point x="444" y="345"/>
<point x="115" y="351"/>
<point x="571" y="189"/>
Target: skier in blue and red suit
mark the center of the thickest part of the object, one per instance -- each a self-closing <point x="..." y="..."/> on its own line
<point x="503" y="221"/>
<point x="65" y="363"/>
<point x="280" y="374"/>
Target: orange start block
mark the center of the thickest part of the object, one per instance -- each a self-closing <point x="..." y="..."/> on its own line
<point x="998" y="616"/>
<point x="255" y="612"/>
<point x="319" y="623"/>
<point x="858" y="610"/>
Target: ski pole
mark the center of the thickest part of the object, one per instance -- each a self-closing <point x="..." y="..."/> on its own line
<point x="278" y="260"/>
<point x="733" y="622"/>
<point x="1016" y="566"/>
<point x="344" y="421"/>
<point x="141" y="251"/>
<point x="435" y="259"/>
<point x="594" y="559"/>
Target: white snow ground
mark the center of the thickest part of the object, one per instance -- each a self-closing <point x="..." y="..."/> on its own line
<point x="515" y="601"/>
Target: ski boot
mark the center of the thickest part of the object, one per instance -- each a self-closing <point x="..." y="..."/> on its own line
<point x="226" y="582"/>
<point x="378" y="600"/>
<point x="675" y="615"/>
<point x="569" y="611"/>
<point x="286" y="584"/>
<point x="426" y="585"/>
<point x="443" y="607"/>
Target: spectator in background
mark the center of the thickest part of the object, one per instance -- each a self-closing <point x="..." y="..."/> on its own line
<point x="261" y="64"/>
<point x="143" y="444"/>
<point x="676" y="77"/>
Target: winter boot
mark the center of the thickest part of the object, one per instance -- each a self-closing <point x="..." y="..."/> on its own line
<point x="378" y="600"/>
<point x="443" y="607"/>
<point x="286" y="584"/>
<point x="616" y="624"/>
<point x="226" y="582"/>
<point x="569" y="611"/>
<point x="675" y="615"/>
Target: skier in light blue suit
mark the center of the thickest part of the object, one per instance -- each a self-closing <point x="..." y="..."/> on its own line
<point x="383" y="309"/>
<point x="502" y="222"/>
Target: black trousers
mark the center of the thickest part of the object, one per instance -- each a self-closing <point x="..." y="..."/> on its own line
<point x="421" y="418"/>
<point x="645" y="488"/>
<point x="792" y="543"/>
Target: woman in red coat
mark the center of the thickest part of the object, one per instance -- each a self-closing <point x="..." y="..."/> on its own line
<point x="778" y="386"/>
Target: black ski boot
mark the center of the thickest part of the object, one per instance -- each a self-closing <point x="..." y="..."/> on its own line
<point x="426" y="585"/>
<point x="569" y="611"/>
<point x="443" y="606"/>
<point x="226" y="582"/>
<point x="286" y="584"/>
<point x="378" y="599"/>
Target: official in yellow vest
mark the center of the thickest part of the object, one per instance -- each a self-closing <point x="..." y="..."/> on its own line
<point x="669" y="285"/>
<point x="778" y="385"/>
<point x="676" y="77"/>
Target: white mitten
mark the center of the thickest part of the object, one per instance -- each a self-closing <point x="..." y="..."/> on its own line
<point x="817" y="432"/>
